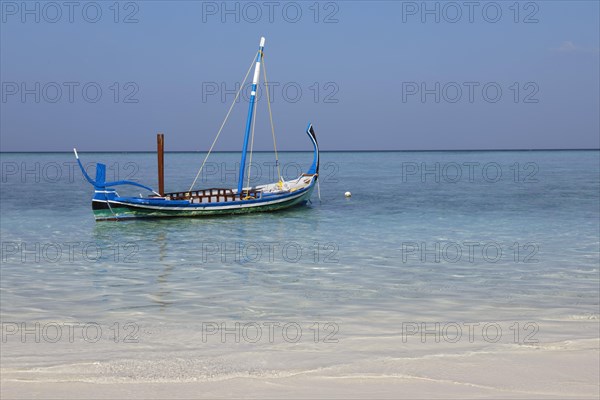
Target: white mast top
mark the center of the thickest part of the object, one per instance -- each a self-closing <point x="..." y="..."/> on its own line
<point x="257" y="67"/>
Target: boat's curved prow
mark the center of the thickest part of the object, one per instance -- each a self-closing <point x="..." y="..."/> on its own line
<point x="100" y="182"/>
<point x="314" y="168"/>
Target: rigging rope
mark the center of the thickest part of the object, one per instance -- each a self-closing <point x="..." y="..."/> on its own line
<point x="223" y="124"/>
<point x="272" y="126"/>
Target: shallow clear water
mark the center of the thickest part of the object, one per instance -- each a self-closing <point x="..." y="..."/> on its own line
<point x="498" y="238"/>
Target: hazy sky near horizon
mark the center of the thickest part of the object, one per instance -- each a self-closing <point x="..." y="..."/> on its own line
<point x="385" y="75"/>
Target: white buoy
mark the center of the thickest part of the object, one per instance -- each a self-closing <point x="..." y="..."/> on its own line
<point x="348" y="194"/>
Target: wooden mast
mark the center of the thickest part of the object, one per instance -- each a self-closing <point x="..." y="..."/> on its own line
<point x="160" y="152"/>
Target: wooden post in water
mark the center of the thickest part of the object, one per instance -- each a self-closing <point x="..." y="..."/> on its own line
<point x="160" y="152"/>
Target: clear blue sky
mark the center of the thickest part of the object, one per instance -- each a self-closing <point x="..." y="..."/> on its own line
<point x="369" y="60"/>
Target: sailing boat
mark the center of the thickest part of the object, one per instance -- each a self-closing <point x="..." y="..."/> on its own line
<point x="108" y="205"/>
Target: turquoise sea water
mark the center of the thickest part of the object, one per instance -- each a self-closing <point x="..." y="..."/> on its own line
<point x="507" y="239"/>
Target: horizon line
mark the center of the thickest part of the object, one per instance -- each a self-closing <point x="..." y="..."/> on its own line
<point x="298" y="151"/>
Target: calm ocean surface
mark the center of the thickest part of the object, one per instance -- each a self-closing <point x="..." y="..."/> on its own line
<point x="507" y="239"/>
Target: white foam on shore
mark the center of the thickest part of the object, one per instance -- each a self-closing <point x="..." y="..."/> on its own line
<point x="563" y="363"/>
<point x="563" y="370"/>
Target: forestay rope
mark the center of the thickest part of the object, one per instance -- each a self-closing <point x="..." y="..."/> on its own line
<point x="224" y="122"/>
<point x="271" y="119"/>
<point x="280" y="181"/>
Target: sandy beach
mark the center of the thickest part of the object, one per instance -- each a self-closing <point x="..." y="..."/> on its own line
<point x="561" y="373"/>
